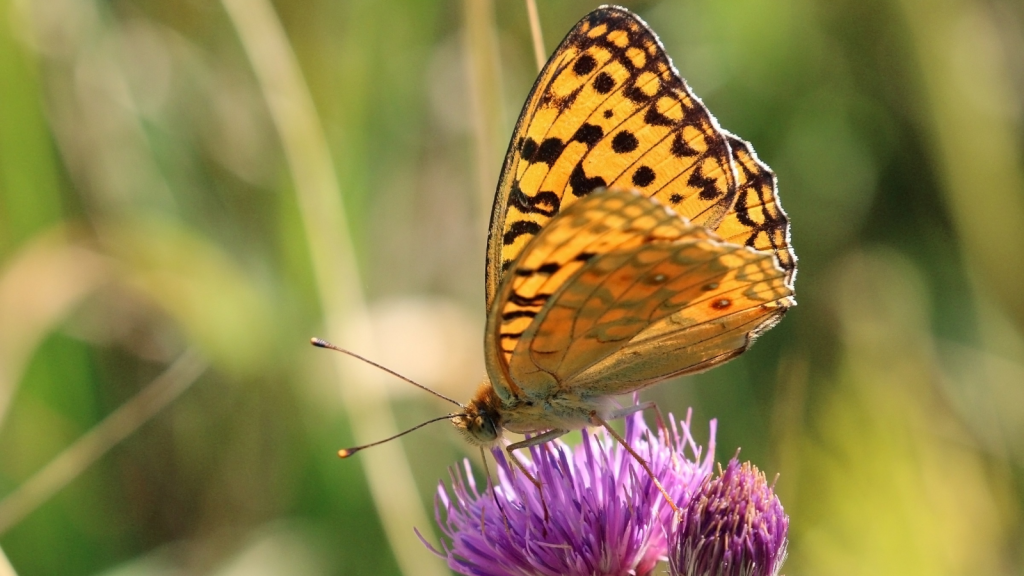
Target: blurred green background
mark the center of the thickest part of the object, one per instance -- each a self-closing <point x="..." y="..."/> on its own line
<point x="192" y="189"/>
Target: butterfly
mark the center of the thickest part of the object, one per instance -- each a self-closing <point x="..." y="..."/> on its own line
<point x="632" y="240"/>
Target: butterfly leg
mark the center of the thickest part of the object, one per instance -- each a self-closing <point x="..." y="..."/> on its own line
<point x="629" y="410"/>
<point x="659" y="418"/>
<point x="598" y="421"/>
<point x="490" y="484"/>
<point x="535" y="441"/>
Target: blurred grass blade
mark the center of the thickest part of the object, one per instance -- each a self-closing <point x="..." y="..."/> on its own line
<point x="788" y="423"/>
<point x="186" y="274"/>
<point x="890" y="478"/>
<point x="337" y="278"/>
<point x="39" y="286"/>
<point x="5" y="565"/>
<point x="92" y="445"/>
<point x="535" y="33"/>
<point x="480" y="45"/>
<point x="971" y="112"/>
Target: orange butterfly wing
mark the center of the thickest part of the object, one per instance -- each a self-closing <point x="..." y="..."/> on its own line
<point x="756" y="219"/>
<point x="603" y="292"/>
<point x="608" y="110"/>
<point x="617" y="292"/>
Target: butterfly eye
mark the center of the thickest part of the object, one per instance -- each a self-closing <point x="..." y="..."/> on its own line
<point x="480" y="429"/>
<point x="488" y="427"/>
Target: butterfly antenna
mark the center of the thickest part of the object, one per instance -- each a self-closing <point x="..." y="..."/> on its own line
<point x="346" y="452"/>
<point x="319" y="343"/>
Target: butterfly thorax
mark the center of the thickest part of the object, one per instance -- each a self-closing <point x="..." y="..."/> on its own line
<point x="486" y="414"/>
<point x="563" y="410"/>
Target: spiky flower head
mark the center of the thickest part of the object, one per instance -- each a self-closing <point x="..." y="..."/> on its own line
<point x="733" y="526"/>
<point x="604" y="515"/>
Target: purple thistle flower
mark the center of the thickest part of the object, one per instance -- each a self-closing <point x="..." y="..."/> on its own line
<point x="734" y="526"/>
<point x="605" y="515"/>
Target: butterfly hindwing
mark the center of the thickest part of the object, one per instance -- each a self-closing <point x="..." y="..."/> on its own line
<point x="706" y="332"/>
<point x="611" y="284"/>
<point x="608" y="110"/>
<point x="600" y="226"/>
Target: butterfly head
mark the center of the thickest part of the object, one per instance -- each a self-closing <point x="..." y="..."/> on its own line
<point x="481" y="422"/>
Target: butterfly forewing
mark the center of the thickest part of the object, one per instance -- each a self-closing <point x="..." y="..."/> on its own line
<point x="756" y="218"/>
<point x="617" y="278"/>
<point x="608" y="109"/>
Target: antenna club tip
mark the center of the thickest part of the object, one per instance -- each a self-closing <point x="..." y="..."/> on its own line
<point x="346" y="452"/>
<point x="318" y="342"/>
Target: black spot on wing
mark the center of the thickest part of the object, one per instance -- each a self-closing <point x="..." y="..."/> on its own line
<point x="581" y="185"/>
<point x="545" y="203"/>
<point x="563" y="103"/>
<point x="637" y="95"/>
<point x="518" y="314"/>
<point x="643" y="176"/>
<point x="589" y="134"/>
<point x="708" y="190"/>
<point x="624" y="142"/>
<point x="527" y="149"/>
<point x="536" y="300"/>
<point x="604" y="83"/>
<point x="584" y="65"/>
<point x="655" y="118"/>
<point x="681" y="148"/>
<point x="518" y="228"/>
<point x="549" y="151"/>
